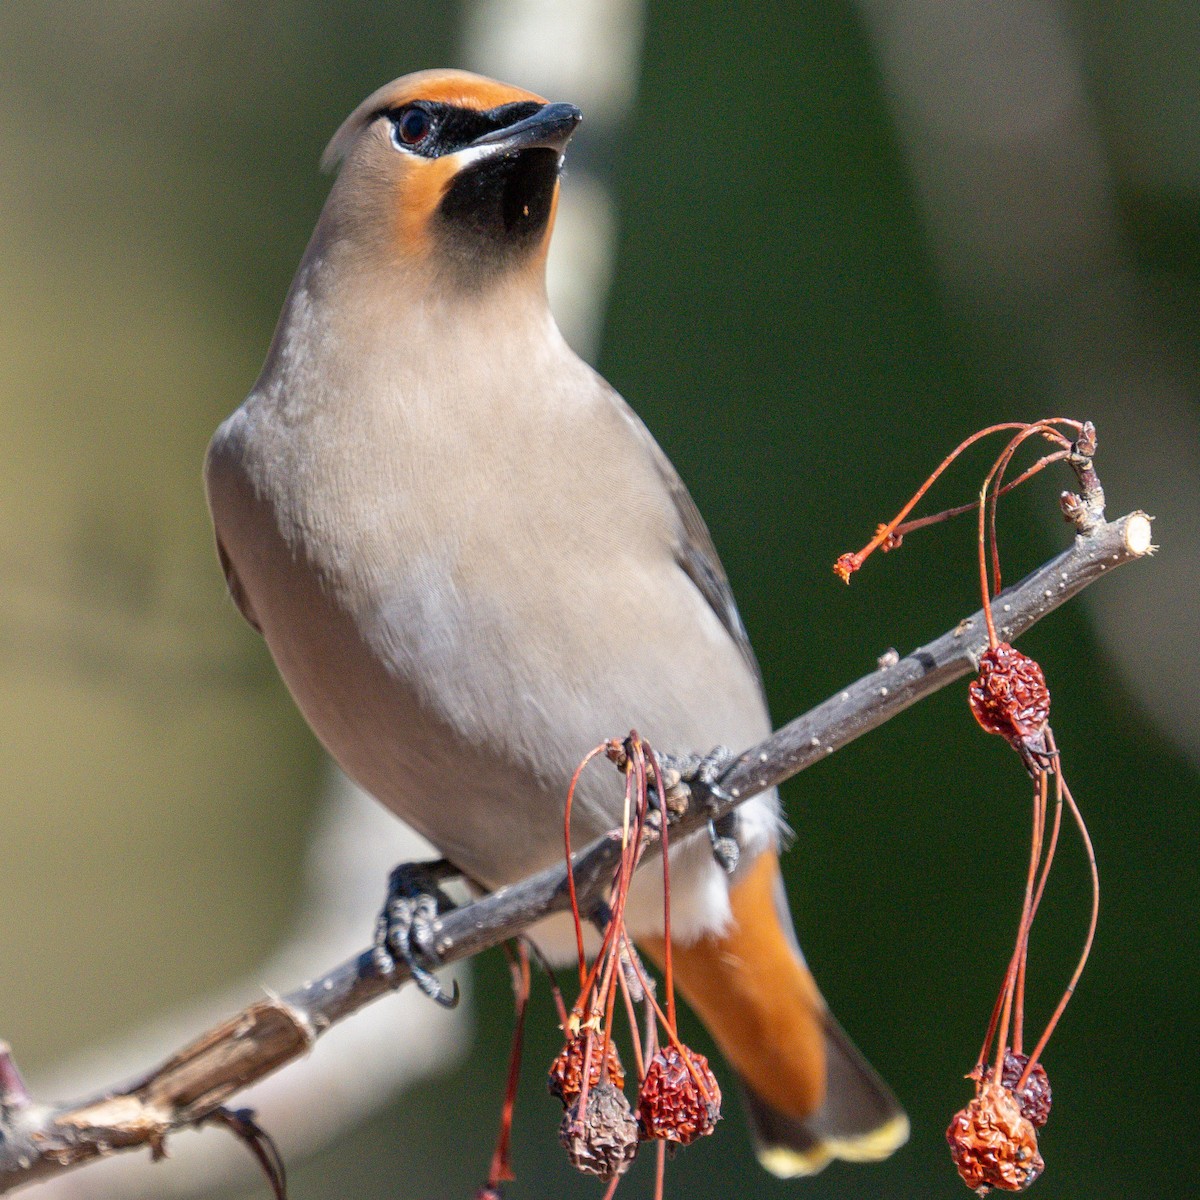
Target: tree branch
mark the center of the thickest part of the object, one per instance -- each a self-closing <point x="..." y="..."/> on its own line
<point x="39" y="1140"/>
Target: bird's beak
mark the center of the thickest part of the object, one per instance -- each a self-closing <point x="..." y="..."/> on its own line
<point x="549" y="128"/>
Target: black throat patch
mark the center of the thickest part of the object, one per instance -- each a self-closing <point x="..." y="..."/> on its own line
<point x="498" y="209"/>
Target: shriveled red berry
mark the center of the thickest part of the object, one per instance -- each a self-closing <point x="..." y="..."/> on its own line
<point x="992" y="1144"/>
<point x="1009" y="697"/>
<point x="565" y="1079"/>
<point x="1034" y="1098"/>
<point x="604" y="1138"/>
<point x="845" y="566"/>
<point x="678" y="1104"/>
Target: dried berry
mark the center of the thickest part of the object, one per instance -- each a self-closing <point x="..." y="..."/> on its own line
<point x="680" y="1100"/>
<point x="845" y="566"/>
<point x="1009" y="697"/>
<point x="1034" y="1098"/>
<point x="604" y="1139"/>
<point x="566" y="1071"/>
<point x="992" y="1144"/>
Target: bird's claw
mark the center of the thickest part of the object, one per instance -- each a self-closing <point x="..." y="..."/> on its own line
<point x="706" y="773"/>
<point x="703" y="775"/>
<point x="404" y="929"/>
<point x="726" y="848"/>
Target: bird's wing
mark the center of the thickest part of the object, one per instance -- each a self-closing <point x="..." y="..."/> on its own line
<point x="695" y="551"/>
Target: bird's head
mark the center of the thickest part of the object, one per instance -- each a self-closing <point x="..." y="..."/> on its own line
<point x="451" y="172"/>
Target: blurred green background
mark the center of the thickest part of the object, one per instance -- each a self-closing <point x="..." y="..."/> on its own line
<point x="846" y="236"/>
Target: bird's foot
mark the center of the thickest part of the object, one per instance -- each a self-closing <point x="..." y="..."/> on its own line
<point x="703" y="774"/>
<point x="404" y="930"/>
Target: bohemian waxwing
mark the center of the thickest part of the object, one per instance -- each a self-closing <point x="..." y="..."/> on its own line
<point x="471" y="562"/>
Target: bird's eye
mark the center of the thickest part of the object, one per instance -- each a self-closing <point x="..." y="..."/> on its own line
<point x="412" y="126"/>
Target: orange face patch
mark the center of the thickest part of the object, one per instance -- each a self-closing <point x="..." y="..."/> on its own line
<point x="425" y="183"/>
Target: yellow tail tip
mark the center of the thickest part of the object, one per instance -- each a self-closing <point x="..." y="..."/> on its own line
<point x="786" y="1163"/>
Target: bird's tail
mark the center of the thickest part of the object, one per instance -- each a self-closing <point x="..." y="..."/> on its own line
<point x="811" y="1095"/>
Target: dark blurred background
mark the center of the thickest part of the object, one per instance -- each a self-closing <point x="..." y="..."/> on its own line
<point x="815" y="245"/>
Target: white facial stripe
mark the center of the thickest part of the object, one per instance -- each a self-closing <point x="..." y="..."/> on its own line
<point x="472" y="154"/>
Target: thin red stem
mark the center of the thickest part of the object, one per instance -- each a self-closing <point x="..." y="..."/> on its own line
<point x="633" y="825"/>
<point x="993" y="640"/>
<point x="593" y="974"/>
<point x="673" y="1036"/>
<point x="630" y="853"/>
<point x="668" y="972"/>
<point x="987" y="517"/>
<point x="609" y="991"/>
<point x="658" y="1012"/>
<point x="634" y="1035"/>
<point x="887" y="530"/>
<point x="571" y="862"/>
<point x="616" y="924"/>
<point x="1006" y="1014"/>
<point x="998" y="469"/>
<point x="907" y="527"/>
<point x="1013" y="989"/>
<point x="1091" y="933"/>
<point x="854" y="561"/>
<point x="585" y="1080"/>
<point x="1040" y="791"/>
<point x="501" y="1166"/>
<point x="986" y="1048"/>
<point x="1047" y="861"/>
<point x="559" y="1006"/>
<point x="650" y="1033"/>
<point x="587" y="1003"/>
<point x="1058" y="808"/>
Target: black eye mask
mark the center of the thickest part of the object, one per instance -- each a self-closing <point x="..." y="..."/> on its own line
<point x="451" y="128"/>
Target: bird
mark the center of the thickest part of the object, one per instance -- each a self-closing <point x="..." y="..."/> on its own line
<point x="471" y="562"/>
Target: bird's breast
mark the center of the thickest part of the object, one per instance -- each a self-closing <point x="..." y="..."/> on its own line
<point x="465" y="589"/>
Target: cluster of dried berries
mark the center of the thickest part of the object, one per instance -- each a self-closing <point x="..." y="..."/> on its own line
<point x="599" y="1133"/>
<point x="565" y="1079"/>
<point x="1030" y="1087"/>
<point x="992" y="1144"/>
<point x="1009" y="697"/>
<point x="678" y="1099"/>
<point x="993" y="1140"/>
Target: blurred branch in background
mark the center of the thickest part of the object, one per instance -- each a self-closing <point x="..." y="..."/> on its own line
<point x="588" y="52"/>
<point x="37" y="1141"/>
<point x="359" y="1067"/>
<point x="1021" y="156"/>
